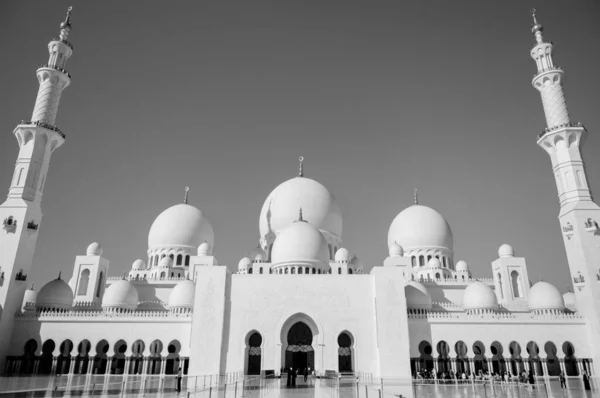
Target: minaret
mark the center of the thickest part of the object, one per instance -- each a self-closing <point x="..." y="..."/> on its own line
<point x="21" y="213"/>
<point x="579" y="215"/>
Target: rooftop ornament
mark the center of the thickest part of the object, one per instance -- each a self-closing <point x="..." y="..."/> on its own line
<point x="65" y="26"/>
<point x="185" y="199"/>
<point x="416" y="197"/>
<point x="301" y="166"/>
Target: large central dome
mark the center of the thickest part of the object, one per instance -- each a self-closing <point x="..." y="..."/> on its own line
<point x="418" y="227"/>
<point x="180" y="226"/>
<point x="317" y="203"/>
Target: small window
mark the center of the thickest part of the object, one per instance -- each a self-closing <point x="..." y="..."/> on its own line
<point x="339" y="271"/>
<point x="299" y="270"/>
<point x="260" y="270"/>
<point x="187" y="260"/>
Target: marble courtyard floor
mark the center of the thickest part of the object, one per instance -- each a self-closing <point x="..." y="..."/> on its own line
<point x="112" y="386"/>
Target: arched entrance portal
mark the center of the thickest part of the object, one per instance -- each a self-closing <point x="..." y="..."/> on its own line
<point x="299" y="353"/>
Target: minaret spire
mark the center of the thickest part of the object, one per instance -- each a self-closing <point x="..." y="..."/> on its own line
<point x="65" y="27"/>
<point x="301" y="166"/>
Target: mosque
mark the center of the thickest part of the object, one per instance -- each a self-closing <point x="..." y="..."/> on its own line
<point x="300" y="298"/>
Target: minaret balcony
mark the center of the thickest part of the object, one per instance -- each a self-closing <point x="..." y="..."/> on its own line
<point x="46" y="66"/>
<point x="548" y="130"/>
<point x="44" y="125"/>
<point x="548" y="70"/>
<point x="64" y="41"/>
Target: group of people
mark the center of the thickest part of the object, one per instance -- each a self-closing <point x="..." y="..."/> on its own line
<point x="293" y="373"/>
<point x="524" y="377"/>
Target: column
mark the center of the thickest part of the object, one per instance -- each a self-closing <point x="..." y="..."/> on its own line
<point x="163" y="365"/>
<point x="562" y="365"/>
<point x="127" y="365"/>
<point x="145" y="365"/>
<point x="36" y="365"/>
<point x="108" y="365"/>
<point x="72" y="365"/>
<point x="54" y="361"/>
<point x="580" y="367"/>
<point x="545" y="367"/>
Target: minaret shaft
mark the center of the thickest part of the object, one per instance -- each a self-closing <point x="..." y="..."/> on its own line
<point x="21" y="213"/>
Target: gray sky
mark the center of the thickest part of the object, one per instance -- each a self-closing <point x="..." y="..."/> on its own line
<point x="378" y="96"/>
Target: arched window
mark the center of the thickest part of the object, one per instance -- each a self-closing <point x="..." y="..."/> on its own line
<point x="339" y="270"/>
<point x="515" y="284"/>
<point x="293" y="270"/>
<point x="162" y="275"/>
<point x="330" y="252"/>
<point x="156" y="259"/>
<point x="344" y="353"/>
<point x="444" y="262"/>
<point x="307" y="270"/>
<point x="260" y="270"/>
<point x="250" y="270"/>
<point x="314" y="270"/>
<point x="100" y="284"/>
<point x="84" y="279"/>
<point x="421" y="261"/>
<point x="179" y="259"/>
<point x="350" y="270"/>
<point x="187" y="260"/>
<point x="286" y="271"/>
<point x="413" y="260"/>
<point x="319" y="271"/>
<point x="299" y="270"/>
<point x="429" y="258"/>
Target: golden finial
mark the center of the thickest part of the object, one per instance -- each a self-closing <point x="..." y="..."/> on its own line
<point x="536" y="27"/>
<point x="416" y="197"/>
<point x="300" y="215"/>
<point x="59" y="272"/>
<point x="67" y="22"/>
<point x="185" y="199"/>
<point x="301" y="166"/>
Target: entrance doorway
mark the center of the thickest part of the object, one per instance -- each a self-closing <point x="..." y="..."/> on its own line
<point x="299" y="353"/>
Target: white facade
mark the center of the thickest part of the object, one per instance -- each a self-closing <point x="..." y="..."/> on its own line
<point x="300" y="299"/>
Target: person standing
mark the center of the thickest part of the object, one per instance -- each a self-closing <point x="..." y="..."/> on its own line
<point x="563" y="380"/>
<point x="305" y="374"/>
<point x="179" y="377"/>
<point x="586" y="381"/>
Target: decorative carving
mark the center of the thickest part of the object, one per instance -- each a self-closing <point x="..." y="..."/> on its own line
<point x="20" y="276"/>
<point x="591" y="226"/>
<point x="32" y="225"/>
<point x="10" y="224"/>
<point x="579" y="278"/>
<point x="568" y="230"/>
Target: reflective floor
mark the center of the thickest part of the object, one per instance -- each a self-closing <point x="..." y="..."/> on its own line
<point x="116" y="386"/>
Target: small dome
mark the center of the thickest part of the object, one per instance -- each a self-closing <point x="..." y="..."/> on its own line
<point x="320" y="208"/>
<point x="418" y="227"/>
<point x="506" y="251"/>
<point x="165" y="262"/>
<point x="55" y="294"/>
<point x="258" y="255"/>
<point x="417" y="296"/>
<point x="479" y="296"/>
<point x="30" y="296"/>
<point x="300" y="243"/>
<point x="356" y="263"/>
<point x="180" y="226"/>
<point x="342" y="255"/>
<point x="544" y="296"/>
<point x="94" y="249"/>
<point x="245" y="263"/>
<point x="570" y="299"/>
<point x="434" y="263"/>
<point x="138" y="265"/>
<point x="204" y="249"/>
<point x="121" y="294"/>
<point x="462" y="266"/>
<point x="396" y="250"/>
<point x="182" y="295"/>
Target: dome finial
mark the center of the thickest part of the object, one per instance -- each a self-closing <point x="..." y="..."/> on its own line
<point x="301" y="166"/>
<point x="536" y="28"/>
<point x="59" y="272"/>
<point x="300" y="215"/>
<point x="185" y="199"/>
<point x="416" y="197"/>
<point x="31" y="288"/>
<point x="65" y="26"/>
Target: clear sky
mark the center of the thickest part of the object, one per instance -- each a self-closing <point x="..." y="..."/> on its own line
<point x="378" y="96"/>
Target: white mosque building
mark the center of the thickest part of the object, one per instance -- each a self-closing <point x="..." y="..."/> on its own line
<point x="300" y="299"/>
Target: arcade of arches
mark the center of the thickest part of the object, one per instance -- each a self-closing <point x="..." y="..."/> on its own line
<point x="76" y="359"/>
<point x="496" y="359"/>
